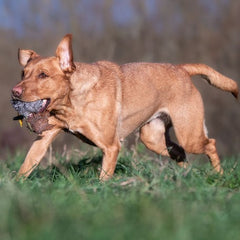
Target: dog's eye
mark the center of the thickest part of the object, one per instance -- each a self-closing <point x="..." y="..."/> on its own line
<point x="42" y="75"/>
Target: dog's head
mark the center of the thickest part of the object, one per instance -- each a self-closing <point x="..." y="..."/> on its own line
<point x="45" y="81"/>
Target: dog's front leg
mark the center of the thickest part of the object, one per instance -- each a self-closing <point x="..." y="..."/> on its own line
<point x="37" y="152"/>
<point x="109" y="162"/>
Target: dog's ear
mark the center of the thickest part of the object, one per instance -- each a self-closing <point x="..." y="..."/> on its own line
<point x="25" y="56"/>
<point x="64" y="54"/>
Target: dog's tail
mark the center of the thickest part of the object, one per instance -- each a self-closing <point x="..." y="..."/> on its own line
<point x="213" y="77"/>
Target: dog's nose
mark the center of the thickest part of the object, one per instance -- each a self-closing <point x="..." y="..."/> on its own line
<point x="17" y="91"/>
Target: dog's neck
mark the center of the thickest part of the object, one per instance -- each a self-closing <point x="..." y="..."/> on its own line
<point x="87" y="74"/>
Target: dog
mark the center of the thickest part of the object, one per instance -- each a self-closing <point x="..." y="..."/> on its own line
<point x="102" y="103"/>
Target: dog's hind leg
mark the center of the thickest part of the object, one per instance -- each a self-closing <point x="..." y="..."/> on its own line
<point x="211" y="151"/>
<point x="198" y="144"/>
<point x="155" y="136"/>
<point x="152" y="135"/>
<point x="191" y="133"/>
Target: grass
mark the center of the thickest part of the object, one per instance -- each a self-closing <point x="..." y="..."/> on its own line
<point x="146" y="199"/>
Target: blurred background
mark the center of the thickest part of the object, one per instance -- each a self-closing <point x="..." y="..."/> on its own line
<point x="125" y="31"/>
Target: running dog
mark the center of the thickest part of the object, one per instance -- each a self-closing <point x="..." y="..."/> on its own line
<point x="102" y="103"/>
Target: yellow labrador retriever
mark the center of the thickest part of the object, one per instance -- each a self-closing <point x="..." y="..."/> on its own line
<point x="102" y="103"/>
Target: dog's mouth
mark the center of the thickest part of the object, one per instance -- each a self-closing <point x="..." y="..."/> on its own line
<point x="27" y="109"/>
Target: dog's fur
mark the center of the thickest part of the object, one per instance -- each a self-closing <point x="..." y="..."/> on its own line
<point x="102" y="103"/>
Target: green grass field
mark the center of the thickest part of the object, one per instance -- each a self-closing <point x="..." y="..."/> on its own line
<point x="146" y="199"/>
